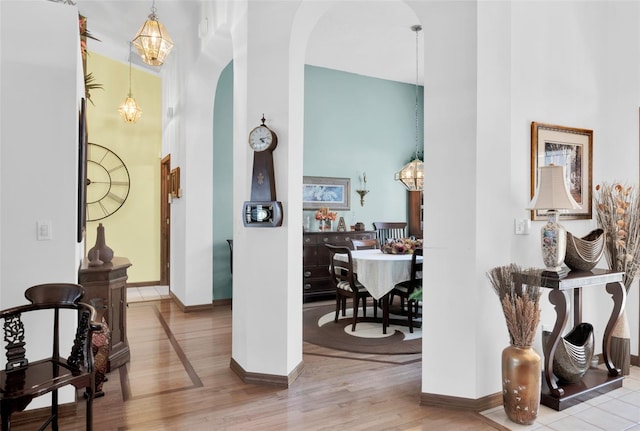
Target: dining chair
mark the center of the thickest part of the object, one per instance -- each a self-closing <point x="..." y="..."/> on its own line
<point x="364" y="244"/>
<point x="389" y="230"/>
<point x="405" y="288"/>
<point x="347" y="285"/>
<point x="23" y="380"/>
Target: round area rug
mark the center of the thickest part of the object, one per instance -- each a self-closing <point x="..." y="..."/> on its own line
<point x="320" y="329"/>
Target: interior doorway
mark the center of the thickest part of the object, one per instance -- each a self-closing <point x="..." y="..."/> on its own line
<point x="165" y="220"/>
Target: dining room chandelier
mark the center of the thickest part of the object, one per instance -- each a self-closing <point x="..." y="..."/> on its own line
<point x="152" y="41"/>
<point x="129" y="110"/>
<point x="412" y="174"/>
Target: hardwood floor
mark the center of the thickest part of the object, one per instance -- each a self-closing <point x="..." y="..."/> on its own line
<point x="179" y="379"/>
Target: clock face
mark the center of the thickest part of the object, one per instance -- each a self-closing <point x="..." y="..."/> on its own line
<point x="261" y="139"/>
<point x="107" y="182"/>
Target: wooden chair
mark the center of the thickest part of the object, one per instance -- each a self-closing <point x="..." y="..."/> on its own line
<point x="364" y="244"/>
<point x="23" y="380"/>
<point x="347" y="285"/>
<point x="406" y="288"/>
<point x="387" y="230"/>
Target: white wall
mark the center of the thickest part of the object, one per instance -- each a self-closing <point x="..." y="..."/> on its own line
<point x="41" y="87"/>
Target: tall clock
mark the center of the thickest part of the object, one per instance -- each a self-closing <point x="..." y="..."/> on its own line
<point x="108" y="182"/>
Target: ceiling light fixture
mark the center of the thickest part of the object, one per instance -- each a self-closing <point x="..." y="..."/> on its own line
<point x="152" y="40"/>
<point x="129" y="110"/>
<point x="412" y="174"/>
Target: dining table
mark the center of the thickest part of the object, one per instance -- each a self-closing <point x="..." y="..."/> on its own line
<point x="379" y="272"/>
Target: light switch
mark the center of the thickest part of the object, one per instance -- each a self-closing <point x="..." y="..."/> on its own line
<point x="43" y="230"/>
<point x="522" y="226"/>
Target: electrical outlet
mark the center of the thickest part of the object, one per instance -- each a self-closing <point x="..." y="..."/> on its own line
<point x="522" y="226"/>
<point x="43" y="230"/>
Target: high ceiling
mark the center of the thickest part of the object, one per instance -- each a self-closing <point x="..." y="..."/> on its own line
<point x="372" y="38"/>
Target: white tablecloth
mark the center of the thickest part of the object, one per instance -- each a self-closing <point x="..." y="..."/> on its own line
<point x="379" y="272"/>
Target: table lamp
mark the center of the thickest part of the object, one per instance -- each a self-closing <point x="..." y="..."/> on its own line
<point x="552" y="194"/>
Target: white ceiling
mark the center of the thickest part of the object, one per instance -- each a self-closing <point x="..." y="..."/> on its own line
<point x="372" y="38"/>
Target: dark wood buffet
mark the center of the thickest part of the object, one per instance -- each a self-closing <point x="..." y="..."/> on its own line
<point x="316" y="281"/>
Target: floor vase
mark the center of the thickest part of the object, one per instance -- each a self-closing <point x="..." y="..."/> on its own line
<point x="521" y="378"/>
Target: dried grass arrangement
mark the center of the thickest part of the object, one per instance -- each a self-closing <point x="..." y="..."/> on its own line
<point x="520" y="302"/>
<point x="618" y="213"/>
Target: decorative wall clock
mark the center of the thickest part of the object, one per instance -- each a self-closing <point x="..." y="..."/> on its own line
<point x="262" y="210"/>
<point x="108" y="182"/>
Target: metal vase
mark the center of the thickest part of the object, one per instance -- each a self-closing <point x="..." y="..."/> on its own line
<point x="521" y="379"/>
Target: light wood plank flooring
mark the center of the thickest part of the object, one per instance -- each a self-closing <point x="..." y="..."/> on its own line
<point x="179" y="379"/>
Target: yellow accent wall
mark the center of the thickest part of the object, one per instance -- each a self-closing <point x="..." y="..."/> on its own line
<point x="134" y="230"/>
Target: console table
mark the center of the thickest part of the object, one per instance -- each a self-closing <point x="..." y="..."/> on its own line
<point x="596" y="381"/>
<point x="108" y="283"/>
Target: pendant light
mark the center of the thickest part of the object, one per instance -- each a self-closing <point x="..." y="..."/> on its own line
<point x="152" y="40"/>
<point x="129" y="110"/>
<point x="412" y="174"/>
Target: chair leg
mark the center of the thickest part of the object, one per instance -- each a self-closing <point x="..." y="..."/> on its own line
<point x="338" y="303"/>
<point x="344" y="306"/>
<point x="89" y="413"/>
<point x="364" y="306"/>
<point x="355" y="313"/>
<point x="375" y="308"/>
<point x="5" y="413"/>
<point x="54" y="410"/>
<point x="410" y="314"/>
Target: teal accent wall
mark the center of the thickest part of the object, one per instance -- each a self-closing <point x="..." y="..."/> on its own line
<point x="222" y="183"/>
<point x="352" y="124"/>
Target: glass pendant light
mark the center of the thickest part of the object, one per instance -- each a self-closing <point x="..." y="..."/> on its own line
<point x="129" y="110"/>
<point x="152" y="41"/>
<point x="412" y="174"/>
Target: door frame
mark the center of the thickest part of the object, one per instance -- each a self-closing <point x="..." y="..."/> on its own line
<point x="165" y="221"/>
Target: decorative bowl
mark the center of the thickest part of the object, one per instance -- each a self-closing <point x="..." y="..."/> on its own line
<point x="573" y="353"/>
<point x="584" y="253"/>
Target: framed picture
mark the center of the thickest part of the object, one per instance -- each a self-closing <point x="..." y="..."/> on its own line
<point x="571" y="147"/>
<point x="82" y="170"/>
<point x="328" y="192"/>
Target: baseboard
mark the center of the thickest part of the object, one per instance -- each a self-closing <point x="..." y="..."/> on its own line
<point x="458" y="403"/>
<point x="266" y="379"/>
<point x="227" y="302"/>
<point x="190" y="308"/>
<point x="146" y="283"/>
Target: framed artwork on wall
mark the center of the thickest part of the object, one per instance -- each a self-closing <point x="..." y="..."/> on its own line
<point x="564" y="146"/>
<point x="318" y="192"/>
<point x="82" y="169"/>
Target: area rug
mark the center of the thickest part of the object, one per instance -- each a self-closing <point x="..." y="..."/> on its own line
<point x="320" y="329"/>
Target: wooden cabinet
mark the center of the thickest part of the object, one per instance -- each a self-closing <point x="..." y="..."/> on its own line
<point x="415" y="202"/>
<point x="316" y="281"/>
<point x="108" y="283"/>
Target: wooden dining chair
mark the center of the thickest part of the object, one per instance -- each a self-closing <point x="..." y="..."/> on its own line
<point x="364" y="244"/>
<point x="23" y="380"/>
<point x="347" y="285"/>
<point x="389" y="230"/>
<point x="405" y="288"/>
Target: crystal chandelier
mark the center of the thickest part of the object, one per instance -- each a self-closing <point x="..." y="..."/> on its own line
<point x="412" y="174"/>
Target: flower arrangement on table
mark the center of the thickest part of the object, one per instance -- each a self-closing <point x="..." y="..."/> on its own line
<point x="325" y="218"/>
<point x="401" y="246"/>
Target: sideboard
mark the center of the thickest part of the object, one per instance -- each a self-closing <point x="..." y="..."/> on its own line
<point x="316" y="280"/>
<point x="107" y="283"/>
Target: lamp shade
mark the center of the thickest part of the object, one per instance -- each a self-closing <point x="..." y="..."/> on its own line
<point x="552" y="192"/>
<point x="412" y="175"/>
<point x="153" y="42"/>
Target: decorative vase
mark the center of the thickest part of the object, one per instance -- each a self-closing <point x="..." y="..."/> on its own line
<point x="521" y="379"/>
<point x="573" y="353"/>
<point x="325" y="225"/>
<point x="101" y="250"/>
<point x="584" y="253"/>
<point x="621" y="344"/>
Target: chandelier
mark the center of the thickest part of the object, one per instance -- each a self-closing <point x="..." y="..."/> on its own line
<point x="152" y="41"/>
<point x="412" y="174"/>
<point x="129" y="110"/>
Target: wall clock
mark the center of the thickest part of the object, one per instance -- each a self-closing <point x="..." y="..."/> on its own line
<point x="108" y="182"/>
<point x="262" y="210"/>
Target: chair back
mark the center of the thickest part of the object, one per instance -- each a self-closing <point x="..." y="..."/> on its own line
<point x="389" y="230"/>
<point x="341" y="270"/>
<point x="364" y="244"/>
<point x="416" y="267"/>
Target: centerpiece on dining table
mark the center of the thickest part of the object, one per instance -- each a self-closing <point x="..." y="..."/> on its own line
<point x="401" y="245"/>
